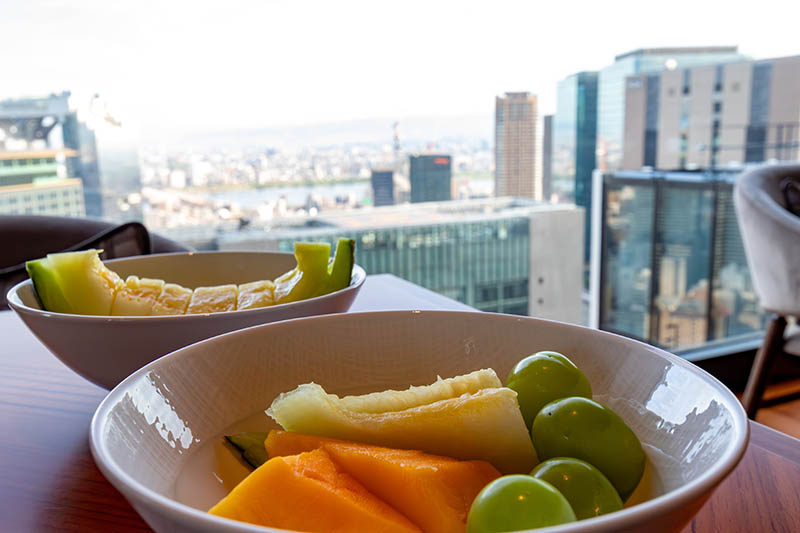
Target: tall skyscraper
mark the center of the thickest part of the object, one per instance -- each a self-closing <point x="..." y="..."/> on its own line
<point x="712" y="116"/>
<point x="48" y="123"/>
<point x="611" y="89"/>
<point x="382" y="187"/>
<point x="515" y="146"/>
<point x="574" y="137"/>
<point x="547" y="158"/>
<point x="430" y="177"/>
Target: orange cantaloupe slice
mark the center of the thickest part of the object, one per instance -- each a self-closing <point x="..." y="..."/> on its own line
<point x="280" y="443"/>
<point x="309" y="492"/>
<point x="435" y="492"/>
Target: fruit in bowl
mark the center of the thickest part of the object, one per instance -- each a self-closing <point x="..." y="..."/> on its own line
<point x="105" y="349"/>
<point x="184" y="467"/>
<point x="79" y="283"/>
<point x="492" y="436"/>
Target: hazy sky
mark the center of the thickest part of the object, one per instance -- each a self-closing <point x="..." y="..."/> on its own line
<point x="177" y="65"/>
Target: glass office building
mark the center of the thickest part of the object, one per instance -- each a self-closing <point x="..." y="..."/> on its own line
<point x="574" y="137"/>
<point x="382" y="182"/>
<point x="430" y="177"/>
<point x="483" y="264"/>
<point x="673" y="270"/>
<point x="611" y="90"/>
<point x="509" y="255"/>
<point x="49" y="123"/>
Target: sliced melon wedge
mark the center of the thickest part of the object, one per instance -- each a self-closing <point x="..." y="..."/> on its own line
<point x="477" y="424"/>
<point x="256" y="294"/>
<point x="137" y="297"/>
<point x="213" y="299"/>
<point x="47" y="286"/>
<point x="79" y="283"/>
<point x="173" y="300"/>
<point x="87" y="285"/>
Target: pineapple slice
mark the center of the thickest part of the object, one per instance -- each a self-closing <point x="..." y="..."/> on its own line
<point x="213" y="299"/>
<point x="255" y="294"/>
<point x="474" y="424"/>
<point x="137" y="296"/>
<point x="173" y="300"/>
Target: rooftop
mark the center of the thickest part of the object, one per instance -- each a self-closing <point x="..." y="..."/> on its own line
<point x="35" y="107"/>
<point x="408" y="215"/>
<point x="41" y="185"/>
<point x="678" y="50"/>
<point x="35" y="154"/>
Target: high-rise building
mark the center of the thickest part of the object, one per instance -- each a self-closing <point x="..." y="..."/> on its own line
<point x="382" y="187"/>
<point x="712" y="116"/>
<point x="515" y="146"/>
<point x="49" y="123"/>
<point x="430" y="177"/>
<point x="509" y="255"/>
<point x="574" y="137"/>
<point x="35" y="183"/>
<point x="611" y="89"/>
<point x="547" y="158"/>
<point x="671" y="267"/>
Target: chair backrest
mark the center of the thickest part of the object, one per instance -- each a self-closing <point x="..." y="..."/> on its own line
<point x="771" y="237"/>
<point x="26" y="237"/>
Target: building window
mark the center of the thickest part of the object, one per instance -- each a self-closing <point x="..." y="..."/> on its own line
<point x="487" y="294"/>
<point x="717" y="107"/>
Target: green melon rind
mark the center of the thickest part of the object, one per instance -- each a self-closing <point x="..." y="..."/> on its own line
<point x="47" y="285"/>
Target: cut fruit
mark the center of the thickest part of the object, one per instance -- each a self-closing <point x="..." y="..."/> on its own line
<point x="252" y="446"/>
<point x="441" y="389"/>
<point x="87" y="285"/>
<point x="173" y="300"/>
<point x="309" y="492"/>
<point x="255" y="294"/>
<point x="47" y="286"/>
<point x="434" y="492"/>
<point x="311" y="273"/>
<point x="278" y="443"/>
<point x="212" y="300"/>
<point x="485" y="424"/>
<point x="340" y="269"/>
<point x="79" y="283"/>
<point x="137" y="297"/>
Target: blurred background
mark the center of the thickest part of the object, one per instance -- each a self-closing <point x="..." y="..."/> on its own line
<point x="572" y="161"/>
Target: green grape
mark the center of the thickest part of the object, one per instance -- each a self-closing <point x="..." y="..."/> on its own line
<point x="512" y="503"/>
<point x="586" y="489"/>
<point x="584" y="429"/>
<point x="543" y="377"/>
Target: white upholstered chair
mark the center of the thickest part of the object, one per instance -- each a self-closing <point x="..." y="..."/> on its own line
<point x="770" y="227"/>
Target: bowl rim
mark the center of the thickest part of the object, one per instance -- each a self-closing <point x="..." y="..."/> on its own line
<point x="357" y="278"/>
<point x="625" y="517"/>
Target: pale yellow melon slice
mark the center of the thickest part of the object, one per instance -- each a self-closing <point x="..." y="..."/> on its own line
<point x="255" y="294"/>
<point x="137" y="296"/>
<point x="173" y="300"/>
<point x="213" y="299"/>
<point x="441" y="389"/>
<point x="485" y="424"/>
<point x="88" y="286"/>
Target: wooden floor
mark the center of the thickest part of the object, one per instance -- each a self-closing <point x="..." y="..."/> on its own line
<point x="785" y="415"/>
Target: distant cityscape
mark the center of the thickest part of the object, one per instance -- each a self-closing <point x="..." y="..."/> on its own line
<point x="637" y="163"/>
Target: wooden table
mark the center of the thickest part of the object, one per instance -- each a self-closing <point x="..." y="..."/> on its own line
<point x="48" y="480"/>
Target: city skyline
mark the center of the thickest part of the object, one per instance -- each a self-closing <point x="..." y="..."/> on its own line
<point x="176" y="67"/>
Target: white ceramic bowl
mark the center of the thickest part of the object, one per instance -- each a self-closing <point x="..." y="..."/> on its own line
<point x="106" y="349"/>
<point x="157" y="437"/>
